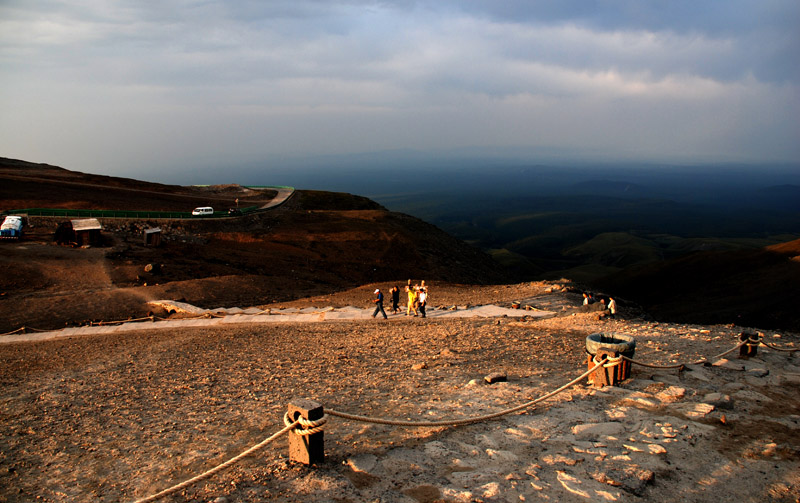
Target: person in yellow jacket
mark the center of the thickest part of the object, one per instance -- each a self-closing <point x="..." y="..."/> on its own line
<point x="412" y="299"/>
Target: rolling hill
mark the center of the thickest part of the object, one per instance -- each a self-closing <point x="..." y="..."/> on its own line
<point x="747" y="287"/>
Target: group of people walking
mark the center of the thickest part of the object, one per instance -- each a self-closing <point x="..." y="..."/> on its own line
<point x="417" y="300"/>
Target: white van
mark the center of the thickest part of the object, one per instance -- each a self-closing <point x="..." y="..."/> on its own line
<point x="203" y="211"/>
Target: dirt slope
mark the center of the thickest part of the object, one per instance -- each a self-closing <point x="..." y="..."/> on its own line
<point x="315" y="243"/>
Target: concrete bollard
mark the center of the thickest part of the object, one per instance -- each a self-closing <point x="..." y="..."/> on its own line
<point x="306" y="449"/>
<point x="611" y="346"/>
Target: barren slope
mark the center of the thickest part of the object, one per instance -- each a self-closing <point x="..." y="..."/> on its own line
<point x="315" y="243"/>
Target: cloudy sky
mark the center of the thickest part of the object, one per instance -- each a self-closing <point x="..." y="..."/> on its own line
<point x="142" y="87"/>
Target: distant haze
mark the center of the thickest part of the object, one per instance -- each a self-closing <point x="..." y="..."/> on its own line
<point x="187" y="91"/>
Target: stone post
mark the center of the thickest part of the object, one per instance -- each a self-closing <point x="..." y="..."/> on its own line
<point x="306" y="449"/>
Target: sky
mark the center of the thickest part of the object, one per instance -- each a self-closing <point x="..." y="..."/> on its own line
<point x="154" y="89"/>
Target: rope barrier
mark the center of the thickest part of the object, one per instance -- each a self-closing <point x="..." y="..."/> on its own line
<point x="22" y="329"/>
<point x="302" y="426"/>
<point x="120" y="322"/>
<point x="309" y="427"/>
<point x="750" y="341"/>
<point x="460" y="422"/>
<point x="776" y="348"/>
<point x="652" y="366"/>
<point x="742" y="343"/>
<point x="212" y="471"/>
<point x="612" y="361"/>
<point x="683" y="365"/>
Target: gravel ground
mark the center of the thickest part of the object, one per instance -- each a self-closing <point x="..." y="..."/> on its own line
<point x="119" y="417"/>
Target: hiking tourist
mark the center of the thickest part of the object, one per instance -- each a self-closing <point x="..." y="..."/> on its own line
<point x="379" y="304"/>
<point x="395" y="299"/>
<point x="612" y="308"/>
<point x="423" y="299"/>
<point x="412" y="299"/>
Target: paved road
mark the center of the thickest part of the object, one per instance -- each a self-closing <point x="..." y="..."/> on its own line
<point x="227" y="316"/>
<point x="283" y="194"/>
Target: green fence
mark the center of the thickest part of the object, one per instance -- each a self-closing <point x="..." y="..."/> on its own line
<point x="133" y="215"/>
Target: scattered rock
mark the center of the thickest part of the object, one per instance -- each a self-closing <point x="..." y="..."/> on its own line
<point x="698" y="410"/>
<point x="572" y="484"/>
<point x="596" y="430"/>
<point x="633" y="479"/>
<point x="757" y="372"/>
<point x="362" y="463"/>
<point x="648" y="448"/>
<point x="502" y="456"/>
<point x="719" y="400"/>
<point x="640" y="399"/>
<point x="560" y="458"/>
<point x="671" y="394"/>
<point x="490" y="490"/>
<point x="751" y="396"/>
<point x="495" y="377"/>
<point x="728" y="364"/>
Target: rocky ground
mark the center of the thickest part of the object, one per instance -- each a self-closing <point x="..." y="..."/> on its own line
<point x="119" y="417"/>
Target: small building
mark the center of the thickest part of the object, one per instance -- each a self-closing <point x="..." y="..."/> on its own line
<point x="12" y="227"/>
<point x="152" y="237"/>
<point x="83" y="232"/>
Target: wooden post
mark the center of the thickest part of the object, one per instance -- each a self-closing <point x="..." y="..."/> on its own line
<point x="624" y="370"/>
<point x="746" y="351"/>
<point x="600" y="376"/>
<point x="306" y="449"/>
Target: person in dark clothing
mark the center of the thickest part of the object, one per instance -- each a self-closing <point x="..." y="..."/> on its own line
<point x="395" y="299"/>
<point x="379" y="304"/>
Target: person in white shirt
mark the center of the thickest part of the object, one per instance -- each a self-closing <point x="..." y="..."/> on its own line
<point x="612" y="308"/>
<point x="423" y="299"/>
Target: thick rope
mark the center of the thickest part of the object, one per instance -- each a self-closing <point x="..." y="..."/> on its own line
<point x="309" y="427"/>
<point x="459" y="422"/>
<point x="23" y="329"/>
<point x="612" y="361"/>
<point x="120" y="322"/>
<point x="219" y="467"/>
<point x="683" y="365"/>
<point x="650" y="365"/>
<point x="732" y="349"/>
<point x="776" y="348"/>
